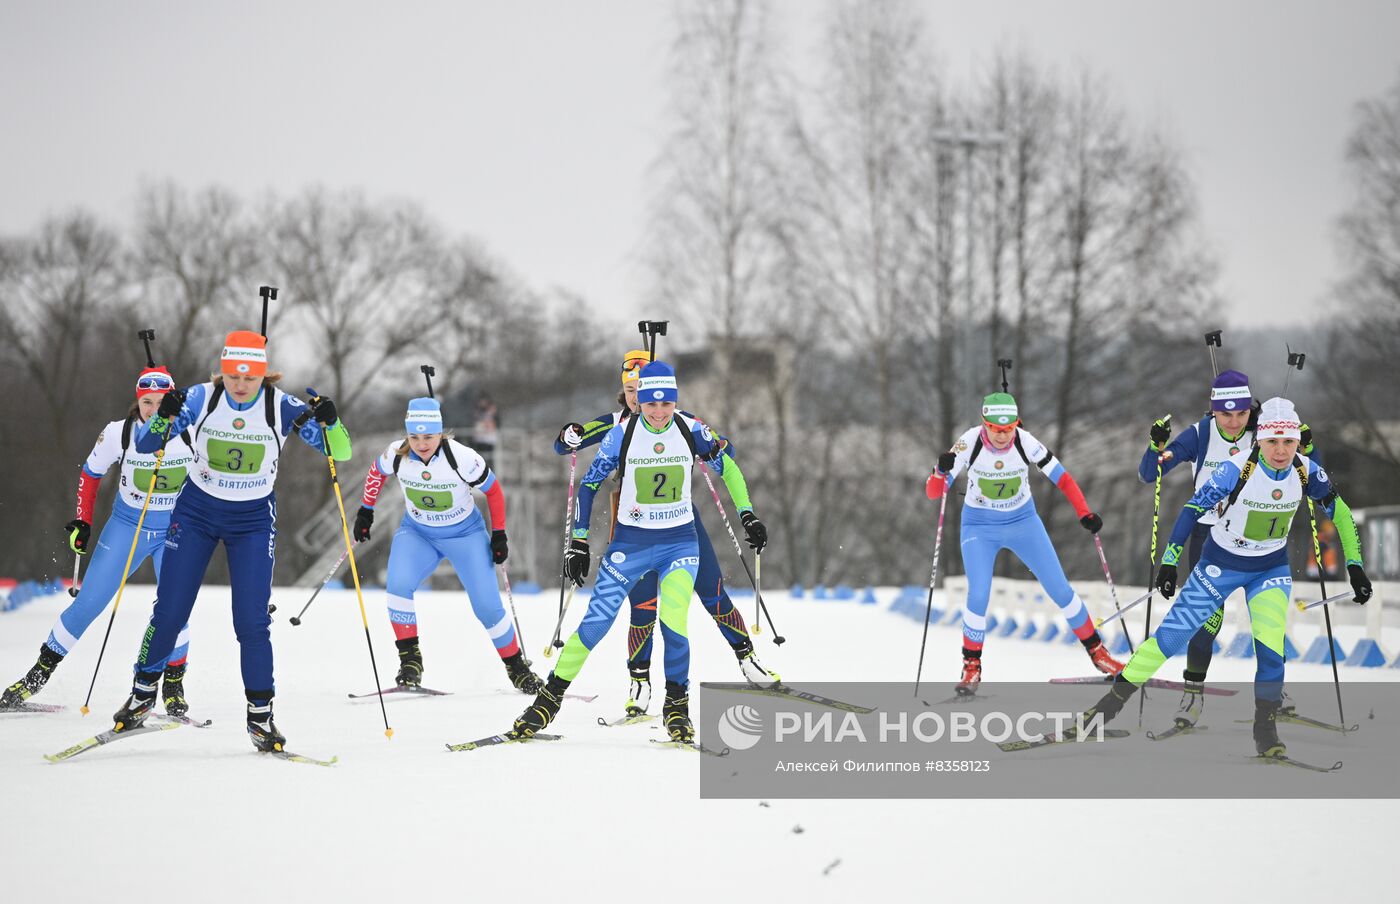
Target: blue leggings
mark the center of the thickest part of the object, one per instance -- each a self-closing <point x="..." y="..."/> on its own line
<point x="248" y="530"/>
<point x="619" y="569"/>
<point x="709" y="586"/>
<point x="1026" y="537"/>
<point x="1267" y="592"/>
<point x="104" y="574"/>
<point x="416" y="552"/>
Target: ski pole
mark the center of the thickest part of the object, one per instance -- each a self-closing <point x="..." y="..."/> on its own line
<point x="349" y="552"/>
<point x="126" y="571"/>
<point x="933" y="579"/>
<point x="1152" y="556"/>
<point x="1335" y="598"/>
<point x="758" y="582"/>
<point x="510" y="598"/>
<point x="296" y="619"/>
<point x="556" y="643"/>
<point x="1326" y="613"/>
<point x="1112" y="591"/>
<point x="778" y="639"/>
<point x="77" y="584"/>
<point x="1145" y="598"/>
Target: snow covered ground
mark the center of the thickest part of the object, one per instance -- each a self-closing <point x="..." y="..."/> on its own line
<point x="198" y="815"/>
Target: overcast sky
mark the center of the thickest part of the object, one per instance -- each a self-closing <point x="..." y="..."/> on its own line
<point x="531" y="125"/>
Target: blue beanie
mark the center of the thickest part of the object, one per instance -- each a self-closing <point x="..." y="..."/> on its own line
<point x="1230" y="392"/>
<point x="424" y="416"/>
<point x="658" y="383"/>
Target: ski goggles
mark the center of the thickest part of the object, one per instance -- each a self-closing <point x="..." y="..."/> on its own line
<point x="155" y="383"/>
<point x="632" y="365"/>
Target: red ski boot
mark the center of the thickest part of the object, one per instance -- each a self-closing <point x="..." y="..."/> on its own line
<point x="1102" y="659"/>
<point x="971" y="673"/>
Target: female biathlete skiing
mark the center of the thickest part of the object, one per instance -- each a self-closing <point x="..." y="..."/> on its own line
<point x="104" y="575"/>
<point x="709" y="581"/>
<point x="437" y="475"/>
<point x="1225" y="432"/>
<point x="1256" y="493"/>
<point x="237" y="424"/>
<point x="998" y="514"/>
<point x="656" y="532"/>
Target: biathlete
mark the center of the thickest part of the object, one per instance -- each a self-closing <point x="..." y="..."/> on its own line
<point x="437" y="475"/>
<point x="656" y="532"/>
<point x="238" y="423"/>
<point x="1256" y="494"/>
<point x="114" y="543"/>
<point x="642" y="598"/>
<point x="999" y="513"/>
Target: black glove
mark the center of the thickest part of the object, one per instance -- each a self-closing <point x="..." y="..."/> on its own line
<point x="78" y="531"/>
<point x="1360" y="583"/>
<point x="1161" y="432"/>
<point x="1166" y="581"/>
<point x="946" y="462"/>
<point x="363" y="519"/>
<point x="576" y="561"/>
<point x="324" y="411"/>
<point x="1092" y="522"/>
<point x="571" y="436"/>
<point x="498" y="546"/>
<point x="1305" y="439"/>
<point x="757" y="533"/>
<point x="171" y="403"/>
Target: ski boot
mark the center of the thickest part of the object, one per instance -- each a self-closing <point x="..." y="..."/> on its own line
<point x="1109" y="706"/>
<point x="676" y="714"/>
<point x="410" y="663"/>
<point x="1192" y="702"/>
<point x="173" y="692"/>
<point x="1099" y="655"/>
<point x="262" y="731"/>
<point x="33" y="680"/>
<point x="754" y="673"/>
<point x="539" y="714"/>
<point x="139" y="705"/>
<point x="971" y="673"/>
<point x="1266" y="741"/>
<point x="639" y="693"/>
<point x="518" y="671"/>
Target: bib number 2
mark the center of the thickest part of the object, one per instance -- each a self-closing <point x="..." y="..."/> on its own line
<point x="659" y="485"/>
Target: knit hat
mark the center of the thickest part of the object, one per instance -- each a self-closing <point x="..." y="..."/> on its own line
<point x="154" y="379"/>
<point x="658" y="383"/>
<point x="999" y="409"/>
<point x="1230" y="392"/>
<point x="424" y="417"/>
<point x="1278" y="420"/>
<point x="245" y="354"/>
<point x="632" y="364"/>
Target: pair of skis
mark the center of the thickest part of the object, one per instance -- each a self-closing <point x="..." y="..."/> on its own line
<point x="164" y="723"/>
<point x="430" y="692"/>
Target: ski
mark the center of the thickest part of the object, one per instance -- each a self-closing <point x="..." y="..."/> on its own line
<point x="183" y="720"/>
<point x="690" y="745"/>
<point x="298" y="758"/>
<point x="107" y="737"/>
<point x="1047" y="740"/>
<point x="1151" y="682"/>
<point x="1297" y="764"/>
<point x="1295" y="719"/>
<point x="502" y="739"/>
<point x="782" y="690"/>
<point x="583" y="698"/>
<point x="960" y="698"/>
<point x="396" y="689"/>
<point x="22" y="708"/>
<point x="625" y="720"/>
<point x="1177" y="729"/>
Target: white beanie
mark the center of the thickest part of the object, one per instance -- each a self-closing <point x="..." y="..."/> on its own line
<point x="1278" y="420"/>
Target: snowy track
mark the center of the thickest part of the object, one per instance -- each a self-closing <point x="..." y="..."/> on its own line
<point x="601" y="815"/>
